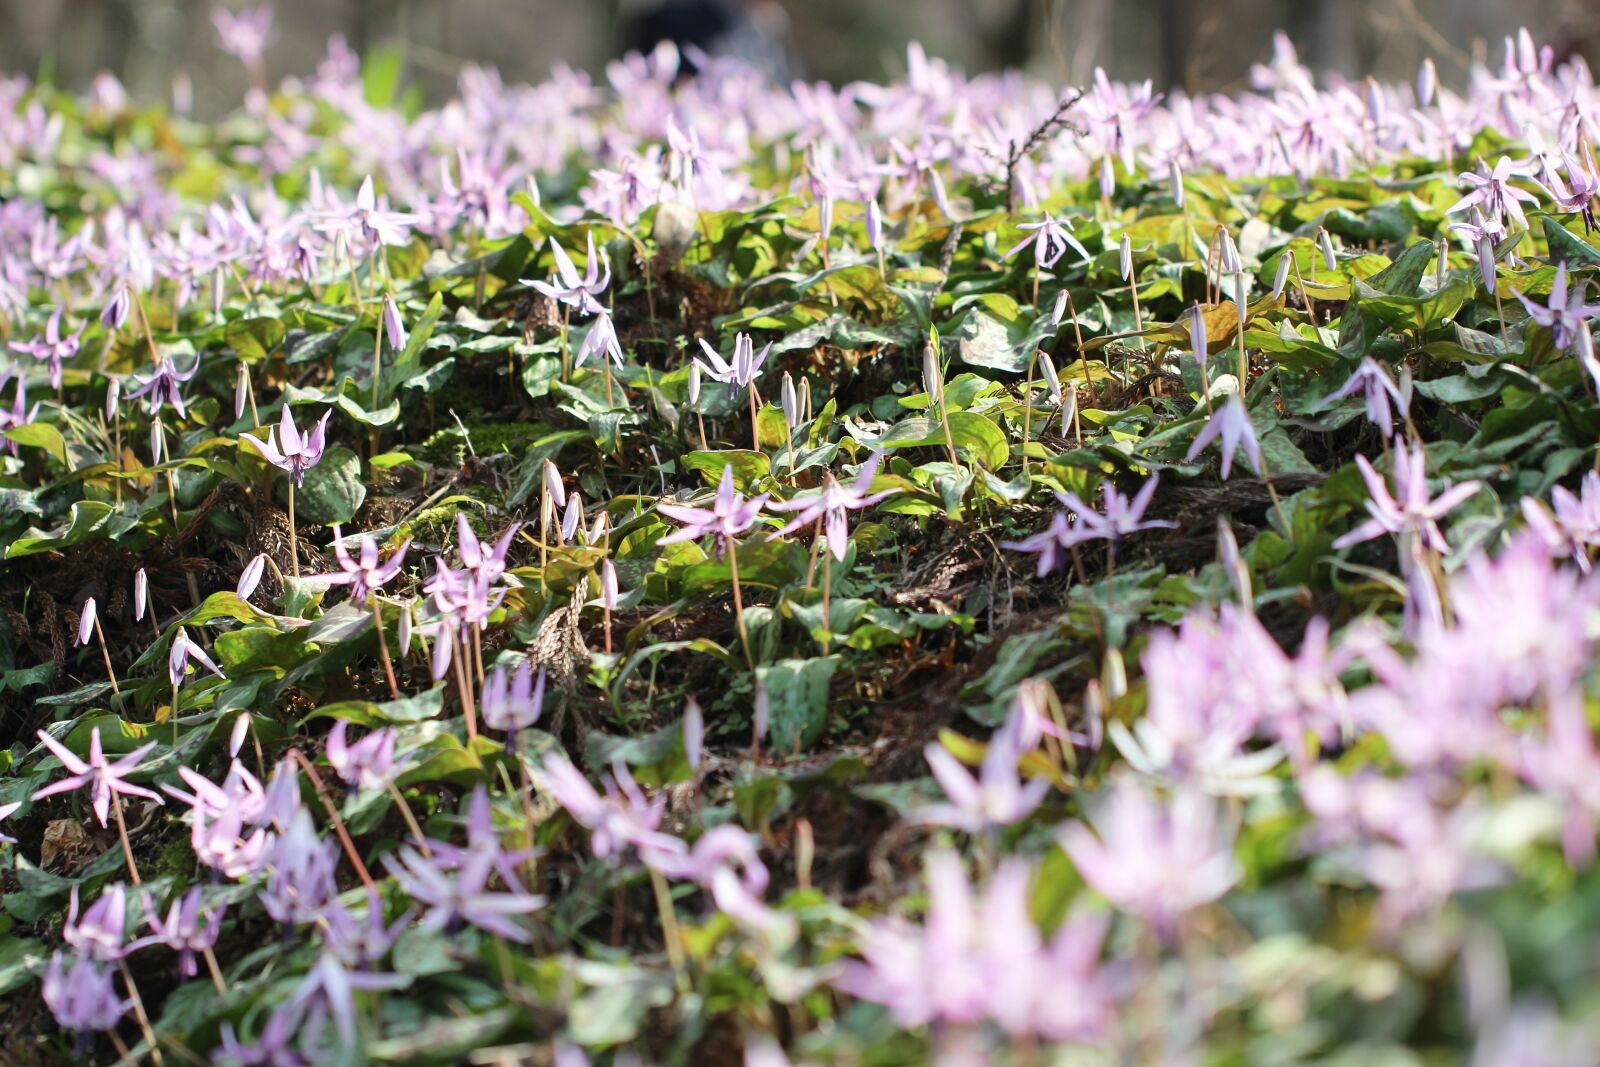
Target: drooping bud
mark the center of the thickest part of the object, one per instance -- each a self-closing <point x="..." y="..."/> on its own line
<point x="694" y="732"/>
<point x="552" y="484"/>
<point x="791" y="402"/>
<point x="1281" y="279"/>
<point x="1427" y="83"/>
<point x="86" y="621"/>
<point x="392" y="324"/>
<point x="251" y="576"/>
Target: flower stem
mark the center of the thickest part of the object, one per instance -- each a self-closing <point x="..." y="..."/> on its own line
<point x="333" y="815"/>
<point x="669" y="929"/>
<point x="383" y="645"/>
<point x="216" y="973"/>
<point x="410" y="818"/>
<point x="738" y="601"/>
<point x="106" y="655"/>
<point x="139" y="1012"/>
<point x="294" y="547"/>
<point x="122" y="833"/>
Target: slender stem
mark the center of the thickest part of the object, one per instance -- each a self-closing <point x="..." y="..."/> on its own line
<point x="333" y="815"/>
<point x="173" y="713"/>
<point x="410" y="818"/>
<point x="1138" y="316"/>
<point x="605" y="362"/>
<point x="216" y="973"/>
<point x="701" y="420"/>
<point x="811" y="567"/>
<point x="139" y="1012"/>
<point x="755" y="439"/>
<point x="294" y="546"/>
<point x="383" y="645"/>
<point x="1077" y="336"/>
<point x="544" y="529"/>
<point x="122" y="833"/>
<point x="469" y="709"/>
<point x="738" y="601"/>
<point x="827" y="582"/>
<point x="1027" y="409"/>
<point x="669" y="929"/>
<point x="377" y="360"/>
<point x="106" y="655"/>
<point x="123" y="1053"/>
<point x="606" y="608"/>
<point x="566" y="326"/>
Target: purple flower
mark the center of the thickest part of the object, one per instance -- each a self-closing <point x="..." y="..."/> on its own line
<point x="577" y="291"/>
<point x="1157" y="859"/>
<point x="332" y="987"/>
<point x="102" y="776"/>
<point x="290" y="451"/>
<point x="188" y="929"/>
<point x="1563" y="316"/>
<point x="52" y="347"/>
<point x="300" y="874"/>
<point x="1231" y="423"/>
<point x="453" y="895"/>
<point x="1121" y="516"/>
<point x="6" y="811"/>
<point x="1374" y="383"/>
<point x="370" y="221"/>
<point x="20" y="414"/>
<point x="369" y="763"/>
<point x="833" y="505"/>
<point x="164" y="385"/>
<point x="995" y="797"/>
<point x="486" y="566"/>
<point x="742" y="370"/>
<point x="101" y="931"/>
<point x="1494" y="195"/>
<point x="1409" y="512"/>
<point x="515" y="702"/>
<point x="361" y="943"/>
<point x="483" y="840"/>
<point x="621" y="819"/>
<point x="239" y="792"/>
<point x="244" y="36"/>
<point x="83" y="997"/>
<point x="600" y="340"/>
<point x="1575" y="526"/>
<point x="1050" y="238"/>
<point x="977" y="959"/>
<point x="184" y="650"/>
<point x="363" y="574"/>
<point x="730" y="515"/>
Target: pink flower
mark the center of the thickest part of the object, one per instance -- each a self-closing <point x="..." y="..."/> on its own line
<point x="291" y="451"/>
<point x="730" y="515"/>
<point x="103" y="777"/>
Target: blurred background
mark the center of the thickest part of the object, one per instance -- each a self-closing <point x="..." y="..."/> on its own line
<point x="1198" y="44"/>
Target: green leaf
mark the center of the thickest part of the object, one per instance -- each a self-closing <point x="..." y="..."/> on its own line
<point x="975" y="435"/>
<point x="40" y="435"/>
<point x="380" y="74"/>
<point x="748" y="467"/>
<point x="797" y="690"/>
<point x="19" y="958"/>
<point x="333" y="491"/>
<point x="86" y="517"/>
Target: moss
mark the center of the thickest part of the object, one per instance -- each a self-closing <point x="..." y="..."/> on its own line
<point x="448" y="447"/>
